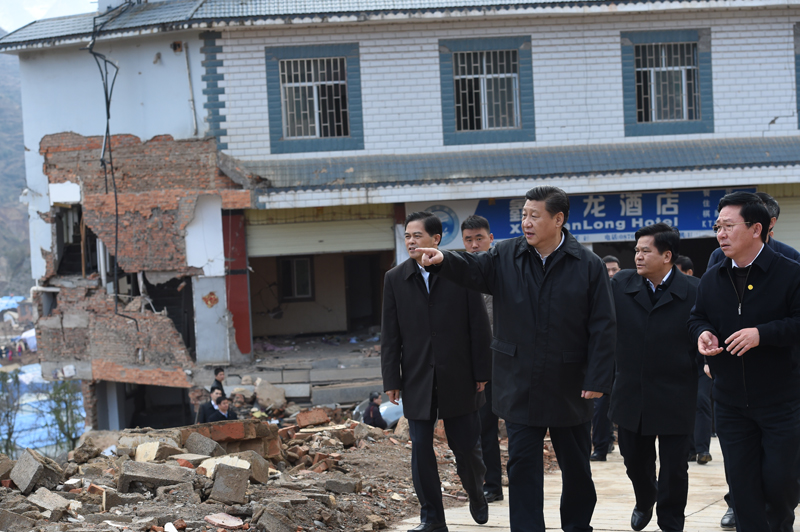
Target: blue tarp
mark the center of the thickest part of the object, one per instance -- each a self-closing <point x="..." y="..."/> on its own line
<point x="10" y="302"/>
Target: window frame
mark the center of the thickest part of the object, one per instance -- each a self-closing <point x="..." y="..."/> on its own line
<point x="628" y="41"/>
<point x="526" y="131"/>
<point x="278" y="142"/>
<point x="295" y="298"/>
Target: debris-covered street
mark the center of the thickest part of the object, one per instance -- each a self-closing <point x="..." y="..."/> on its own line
<point x="316" y="474"/>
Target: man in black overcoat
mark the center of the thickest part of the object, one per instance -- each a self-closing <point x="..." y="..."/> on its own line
<point x="435" y="350"/>
<point x="553" y="351"/>
<point x="655" y="389"/>
<point x="746" y="321"/>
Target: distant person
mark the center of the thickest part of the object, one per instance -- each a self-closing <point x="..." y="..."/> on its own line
<point x="224" y="411"/>
<point x="602" y="428"/>
<point x="685" y="265"/>
<point x="477" y="236"/>
<point x="372" y="416"/>
<point x="219" y="377"/>
<point x="208" y="408"/>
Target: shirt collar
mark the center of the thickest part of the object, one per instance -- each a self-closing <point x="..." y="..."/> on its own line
<point x="663" y="281"/>
<point x="751" y="262"/>
<point x="544" y="259"/>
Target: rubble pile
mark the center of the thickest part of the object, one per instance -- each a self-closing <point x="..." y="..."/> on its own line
<point x="322" y="473"/>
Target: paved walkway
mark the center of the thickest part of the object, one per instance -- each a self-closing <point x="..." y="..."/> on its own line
<point x="615" y="501"/>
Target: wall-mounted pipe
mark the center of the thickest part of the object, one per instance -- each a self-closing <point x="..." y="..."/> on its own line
<point x="191" y="89"/>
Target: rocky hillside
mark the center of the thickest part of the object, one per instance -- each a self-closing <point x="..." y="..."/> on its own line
<point x="15" y="269"/>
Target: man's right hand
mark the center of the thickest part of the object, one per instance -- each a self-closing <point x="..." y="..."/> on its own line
<point x="708" y="344"/>
<point x="431" y="256"/>
<point x="394" y="396"/>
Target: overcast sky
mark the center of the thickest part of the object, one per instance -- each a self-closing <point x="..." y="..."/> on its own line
<point x="16" y="13"/>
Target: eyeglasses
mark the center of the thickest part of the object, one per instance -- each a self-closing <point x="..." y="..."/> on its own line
<point x="728" y="227"/>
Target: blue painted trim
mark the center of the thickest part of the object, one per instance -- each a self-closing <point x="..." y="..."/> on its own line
<point x="527" y="131"/>
<point x="280" y="145"/>
<point x="636" y="129"/>
<point x="212" y="90"/>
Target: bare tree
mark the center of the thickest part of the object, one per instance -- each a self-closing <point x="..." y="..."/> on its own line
<point x="9" y="407"/>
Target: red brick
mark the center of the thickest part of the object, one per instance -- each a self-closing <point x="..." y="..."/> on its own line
<point x="274" y="448"/>
<point x="287" y="433"/>
<point x="320" y="457"/>
<point x="95" y="490"/>
<point x="315" y="416"/>
<point x="320" y="467"/>
<point x="180" y="524"/>
<point x="7" y="483"/>
<point x="184" y="463"/>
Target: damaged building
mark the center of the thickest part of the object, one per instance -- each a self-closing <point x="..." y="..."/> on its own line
<point x="262" y="156"/>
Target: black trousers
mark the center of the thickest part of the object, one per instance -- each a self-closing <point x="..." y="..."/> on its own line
<point x="493" y="482"/>
<point x="701" y="439"/>
<point x="669" y="493"/>
<point x="601" y="425"/>
<point x="526" y="476"/>
<point x="762" y="448"/>
<point x="463" y="437"/>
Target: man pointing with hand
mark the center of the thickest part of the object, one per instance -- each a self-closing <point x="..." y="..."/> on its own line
<point x="747" y="323"/>
<point x="553" y="349"/>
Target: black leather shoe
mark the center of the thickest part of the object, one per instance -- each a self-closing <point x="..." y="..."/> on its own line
<point x="430" y="527"/>
<point x="640" y="519"/>
<point x="703" y="458"/>
<point x="492" y="497"/>
<point x="597" y="457"/>
<point x="479" y="510"/>
<point x="728" y="520"/>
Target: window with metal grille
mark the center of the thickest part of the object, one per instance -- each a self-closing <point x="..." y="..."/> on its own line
<point x="667" y="82"/>
<point x="486" y="90"/>
<point x="314" y="98"/>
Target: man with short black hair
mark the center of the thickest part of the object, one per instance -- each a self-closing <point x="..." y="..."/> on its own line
<point x="223" y="412"/>
<point x="208" y="408"/>
<point x="372" y="415"/>
<point x="747" y="324"/>
<point x="477" y="236"/>
<point x="655" y="387"/>
<point x="553" y="351"/>
<point x="219" y="377"/>
<point x="612" y="265"/>
<point x="684" y="264"/>
<point x="435" y="340"/>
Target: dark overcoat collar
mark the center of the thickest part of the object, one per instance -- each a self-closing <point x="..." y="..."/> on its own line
<point x="571" y="246"/>
<point x="678" y="288"/>
<point x="763" y="260"/>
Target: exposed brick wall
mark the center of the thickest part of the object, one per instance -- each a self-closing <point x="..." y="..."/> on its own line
<point x="84" y="327"/>
<point x="158" y="184"/>
<point x="89" y="392"/>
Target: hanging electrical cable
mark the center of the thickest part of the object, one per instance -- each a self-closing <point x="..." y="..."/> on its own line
<point x="108" y="75"/>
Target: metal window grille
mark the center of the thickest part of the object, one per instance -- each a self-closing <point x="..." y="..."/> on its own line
<point x="667" y="82"/>
<point x="314" y="98"/>
<point x="486" y="90"/>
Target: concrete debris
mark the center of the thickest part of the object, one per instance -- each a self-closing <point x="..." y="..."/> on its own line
<point x="401" y="430"/>
<point x="193" y="459"/>
<point x="269" y="396"/>
<point x="343" y="485"/>
<point x="47" y="500"/>
<point x="210" y="465"/>
<point x="198" y="444"/>
<point x="259" y="467"/>
<point x="33" y="470"/>
<point x="223" y="520"/>
<point x="85" y="452"/>
<point x="152" y="475"/>
<point x="155" y="451"/>
<point x="315" y="416"/>
<point x="13" y="521"/>
<point x="6" y="465"/>
<point x="362" y="430"/>
<point x="230" y="484"/>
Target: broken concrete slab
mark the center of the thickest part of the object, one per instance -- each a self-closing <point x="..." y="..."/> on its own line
<point x="12" y="521"/>
<point x="152" y="475"/>
<point x="211" y="464"/>
<point x="6" y="465"/>
<point x="194" y="459"/>
<point x="85" y="452"/>
<point x="274" y="522"/>
<point x="198" y="444"/>
<point x="230" y="484"/>
<point x="269" y="396"/>
<point x="401" y="430"/>
<point x="221" y="520"/>
<point x="134" y="437"/>
<point x="33" y="470"/>
<point x="362" y="430"/>
<point x="114" y="498"/>
<point x="343" y="485"/>
<point x="155" y="451"/>
<point x="259" y="467"/>
<point x="47" y="500"/>
<point x="182" y="493"/>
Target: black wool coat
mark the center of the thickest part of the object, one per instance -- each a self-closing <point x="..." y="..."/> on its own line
<point x="445" y="333"/>
<point x="554" y="328"/>
<point x="656" y="378"/>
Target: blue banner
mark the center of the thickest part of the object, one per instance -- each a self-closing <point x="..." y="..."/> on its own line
<point x="592" y="217"/>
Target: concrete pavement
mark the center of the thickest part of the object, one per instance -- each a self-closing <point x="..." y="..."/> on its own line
<point x="615" y="501"/>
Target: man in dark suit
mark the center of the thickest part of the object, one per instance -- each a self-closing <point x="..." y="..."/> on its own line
<point x="553" y="346"/>
<point x="219" y="378"/>
<point x="655" y="388"/>
<point x="223" y="412"/>
<point x="477" y="236"/>
<point x="435" y="349"/>
<point x="206" y="409"/>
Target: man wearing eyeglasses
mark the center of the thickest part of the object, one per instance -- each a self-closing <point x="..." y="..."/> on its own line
<point x="746" y="321"/>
